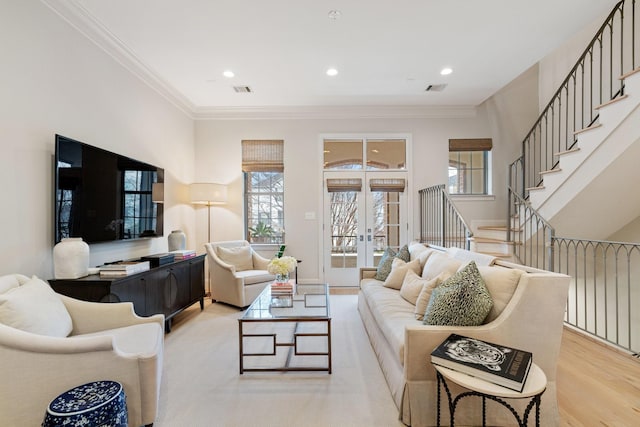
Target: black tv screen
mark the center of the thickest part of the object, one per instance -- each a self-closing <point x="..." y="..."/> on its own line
<point x="101" y="196"/>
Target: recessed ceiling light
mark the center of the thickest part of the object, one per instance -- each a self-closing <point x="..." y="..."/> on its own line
<point x="228" y="74"/>
<point x="332" y="72"/>
<point x="334" y="14"/>
<point x="446" y="71"/>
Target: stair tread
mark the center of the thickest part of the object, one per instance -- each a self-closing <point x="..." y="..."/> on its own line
<point x="592" y="127"/>
<point x="495" y="254"/>
<point x="495" y="228"/>
<point x="612" y="101"/>
<point x="550" y="171"/>
<point x="630" y="73"/>
<point x="541" y="187"/>
<point x="489" y="240"/>
<point x="562" y="153"/>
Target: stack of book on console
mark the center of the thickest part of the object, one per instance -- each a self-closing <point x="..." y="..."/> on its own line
<point x="281" y="289"/>
<point x="498" y="364"/>
<point x="183" y="254"/>
<point x="123" y="268"/>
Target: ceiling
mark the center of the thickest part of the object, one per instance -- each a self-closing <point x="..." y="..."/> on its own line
<point x="386" y="53"/>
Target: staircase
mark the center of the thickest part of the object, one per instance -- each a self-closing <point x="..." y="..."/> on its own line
<point x="589" y="192"/>
<point x="574" y="186"/>
<point x="490" y="237"/>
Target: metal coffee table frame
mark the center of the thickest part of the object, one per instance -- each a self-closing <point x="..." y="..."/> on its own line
<point x="306" y="305"/>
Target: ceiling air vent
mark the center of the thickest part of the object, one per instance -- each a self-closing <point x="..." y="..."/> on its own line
<point x="242" y="89"/>
<point x="435" y="88"/>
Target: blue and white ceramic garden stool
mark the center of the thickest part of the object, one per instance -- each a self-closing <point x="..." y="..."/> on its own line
<point x="95" y="404"/>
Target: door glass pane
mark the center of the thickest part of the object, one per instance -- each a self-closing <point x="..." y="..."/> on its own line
<point x="385" y="154"/>
<point x="386" y="222"/>
<point x="344" y="229"/>
<point x="343" y="154"/>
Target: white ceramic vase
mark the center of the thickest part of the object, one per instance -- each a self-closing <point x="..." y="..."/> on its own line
<point x="71" y="258"/>
<point x="177" y="240"/>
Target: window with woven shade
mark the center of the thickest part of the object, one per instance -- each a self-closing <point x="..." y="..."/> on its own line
<point x="469" y="163"/>
<point x="263" y="170"/>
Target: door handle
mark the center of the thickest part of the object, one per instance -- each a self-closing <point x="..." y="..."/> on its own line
<point x="369" y="237"/>
<point x="361" y="238"/>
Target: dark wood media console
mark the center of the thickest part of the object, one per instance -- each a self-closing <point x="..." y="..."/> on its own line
<point x="167" y="289"/>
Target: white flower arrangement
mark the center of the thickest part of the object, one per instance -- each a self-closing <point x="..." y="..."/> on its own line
<point x="283" y="265"/>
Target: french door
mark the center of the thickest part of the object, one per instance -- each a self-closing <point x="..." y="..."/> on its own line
<point x="364" y="212"/>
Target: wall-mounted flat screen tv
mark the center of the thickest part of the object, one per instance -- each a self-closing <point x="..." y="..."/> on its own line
<point x="101" y="196"/>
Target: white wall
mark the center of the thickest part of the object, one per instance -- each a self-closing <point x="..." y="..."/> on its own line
<point x="218" y="149"/>
<point x="54" y="80"/>
<point x="555" y="67"/>
<point x="509" y="113"/>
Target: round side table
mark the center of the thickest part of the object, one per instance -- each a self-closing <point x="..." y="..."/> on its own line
<point x="98" y="403"/>
<point x="533" y="389"/>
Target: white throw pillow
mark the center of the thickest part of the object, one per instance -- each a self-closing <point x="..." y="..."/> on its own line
<point x="399" y="269"/>
<point x="240" y="257"/>
<point x="411" y="287"/>
<point x="420" y="251"/>
<point x="440" y="263"/>
<point x="8" y="282"/>
<point x="501" y="283"/>
<point x="35" y="307"/>
<point x="425" y="294"/>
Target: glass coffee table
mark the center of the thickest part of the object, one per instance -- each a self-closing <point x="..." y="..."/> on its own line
<point x="287" y="332"/>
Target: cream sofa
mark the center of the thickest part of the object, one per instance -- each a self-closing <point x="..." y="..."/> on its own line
<point x="56" y="343"/>
<point x="527" y="313"/>
<point x="238" y="273"/>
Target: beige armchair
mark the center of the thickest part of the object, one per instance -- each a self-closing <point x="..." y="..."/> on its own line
<point x="56" y="343"/>
<point x="237" y="273"/>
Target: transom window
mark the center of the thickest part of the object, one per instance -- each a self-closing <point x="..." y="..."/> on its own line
<point x="361" y="154"/>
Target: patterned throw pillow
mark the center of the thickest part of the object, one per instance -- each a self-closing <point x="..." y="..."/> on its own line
<point x="384" y="266"/>
<point x="461" y="300"/>
<point x="404" y="253"/>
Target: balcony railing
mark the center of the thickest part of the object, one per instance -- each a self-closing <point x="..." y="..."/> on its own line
<point x="440" y="222"/>
<point x="604" y="297"/>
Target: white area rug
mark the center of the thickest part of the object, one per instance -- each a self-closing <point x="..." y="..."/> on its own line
<point x="201" y="384"/>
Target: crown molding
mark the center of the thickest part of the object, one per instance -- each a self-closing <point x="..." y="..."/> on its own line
<point x="83" y="21"/>
<point x="334" y="112"/>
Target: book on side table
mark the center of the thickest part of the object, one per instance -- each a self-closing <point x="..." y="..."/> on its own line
<point x="498" y="364"/>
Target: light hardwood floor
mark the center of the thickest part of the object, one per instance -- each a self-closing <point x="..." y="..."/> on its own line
<point x="597" y="385"/>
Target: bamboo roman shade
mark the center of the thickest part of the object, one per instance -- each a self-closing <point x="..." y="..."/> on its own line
<point x="388" y="184"/>
<point x="471" y="144"/>
<point x="263" y="155"/>
<point x="336" y="185"/>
